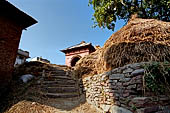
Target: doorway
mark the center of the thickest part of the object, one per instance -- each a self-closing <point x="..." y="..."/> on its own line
<point x="74" y="61"/>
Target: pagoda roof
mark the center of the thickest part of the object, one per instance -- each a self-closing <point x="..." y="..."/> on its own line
<point x="82" y="44"/>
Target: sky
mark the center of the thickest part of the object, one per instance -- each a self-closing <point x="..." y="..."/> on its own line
<point x="61" y="23"/>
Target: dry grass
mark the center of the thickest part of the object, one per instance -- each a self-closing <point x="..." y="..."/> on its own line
<point x="31" y="107"/>
<point x="127" y="53"/>
<point x="140" y="40"/>
<point x="34" y="107"/>
<point x="142" y="30"/>
<point x="87" y="64"/>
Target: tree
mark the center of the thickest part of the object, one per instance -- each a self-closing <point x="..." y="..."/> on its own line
<point x="108" y="11"/>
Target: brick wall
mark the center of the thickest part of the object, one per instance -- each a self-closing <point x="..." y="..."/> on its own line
<point x="121" y="91"/>
<point x="10" y="34"/>
<point x="70" y="55"/>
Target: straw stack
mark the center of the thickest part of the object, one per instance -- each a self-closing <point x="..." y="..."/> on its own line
<point x="141" y="40"/>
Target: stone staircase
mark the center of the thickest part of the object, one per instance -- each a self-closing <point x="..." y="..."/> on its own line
<point x="57" y="83"/>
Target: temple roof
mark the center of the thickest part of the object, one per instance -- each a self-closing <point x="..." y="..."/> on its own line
<point x="11" y="12"/>
<point x="82" y="44"/>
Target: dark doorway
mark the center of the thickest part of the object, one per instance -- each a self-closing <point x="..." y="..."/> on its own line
<point x="74" y="60"/>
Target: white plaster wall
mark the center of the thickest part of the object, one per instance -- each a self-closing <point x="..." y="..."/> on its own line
<point x="19" y="61"/>
<point x="34" y="59"/>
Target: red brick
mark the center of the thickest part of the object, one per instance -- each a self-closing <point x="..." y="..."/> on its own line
<point x="9" y="41"/>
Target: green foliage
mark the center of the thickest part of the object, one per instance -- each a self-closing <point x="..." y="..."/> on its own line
<point x="157" y="77"/>
<point x="108" y="11"/>
<point x="134" y="108"/>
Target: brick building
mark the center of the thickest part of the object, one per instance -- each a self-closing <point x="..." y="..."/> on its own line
<point x="12" y="22"/>
<point x="74" y="53"/>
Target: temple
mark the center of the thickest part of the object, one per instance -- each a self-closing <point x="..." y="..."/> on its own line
<point x="74" y="53"/>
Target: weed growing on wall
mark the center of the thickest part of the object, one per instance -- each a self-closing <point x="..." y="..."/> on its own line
<point x="157" y="77"/>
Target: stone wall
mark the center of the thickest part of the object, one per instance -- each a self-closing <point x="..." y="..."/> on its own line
<point x="9" y="41"/>
<point x="121" y="91"/>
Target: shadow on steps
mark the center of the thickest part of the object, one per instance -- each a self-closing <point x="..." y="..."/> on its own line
<point x="55" y="88"/>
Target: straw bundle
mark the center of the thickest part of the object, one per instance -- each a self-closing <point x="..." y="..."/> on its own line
<point x="87" y="64"/>
<point x="127" y="53"/>
<point x="141" y="40"/>
<point x="142" y="30"/>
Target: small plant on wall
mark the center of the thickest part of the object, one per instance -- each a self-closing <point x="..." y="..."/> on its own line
<point x="157" y="77"/>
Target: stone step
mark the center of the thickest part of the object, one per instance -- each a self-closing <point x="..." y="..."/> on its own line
<point x="59" y="85"/>
<point x="59" y="82"/>
<point x="57" y="79"/>
<point x="51" y="80"/>
<point x="60" y="89"/>
<point x="62" y="95"/>
<point x="56" y="72"/>
<point x="54" y="69"/>
<point x="58" y="76"/>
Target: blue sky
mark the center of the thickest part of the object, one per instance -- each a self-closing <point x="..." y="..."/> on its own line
<point x="61" y="23"/>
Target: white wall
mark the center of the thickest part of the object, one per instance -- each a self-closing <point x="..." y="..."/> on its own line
<point x="19" y="61"/>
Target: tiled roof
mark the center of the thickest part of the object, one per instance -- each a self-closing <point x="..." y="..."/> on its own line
<point x="82" y="44"/>
<point x="23" y="53"/>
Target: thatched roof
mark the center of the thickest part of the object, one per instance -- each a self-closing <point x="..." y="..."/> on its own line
<point x="141" y="40"/>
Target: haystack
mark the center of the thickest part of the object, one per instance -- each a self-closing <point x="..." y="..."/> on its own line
<point x="141" y="40"/>
<point x="87" y="64"/>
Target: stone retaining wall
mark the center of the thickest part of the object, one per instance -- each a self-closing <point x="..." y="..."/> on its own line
<point x="121" y="91"/>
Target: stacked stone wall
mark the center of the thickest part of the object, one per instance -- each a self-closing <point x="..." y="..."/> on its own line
<point x="121" y="91"/>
